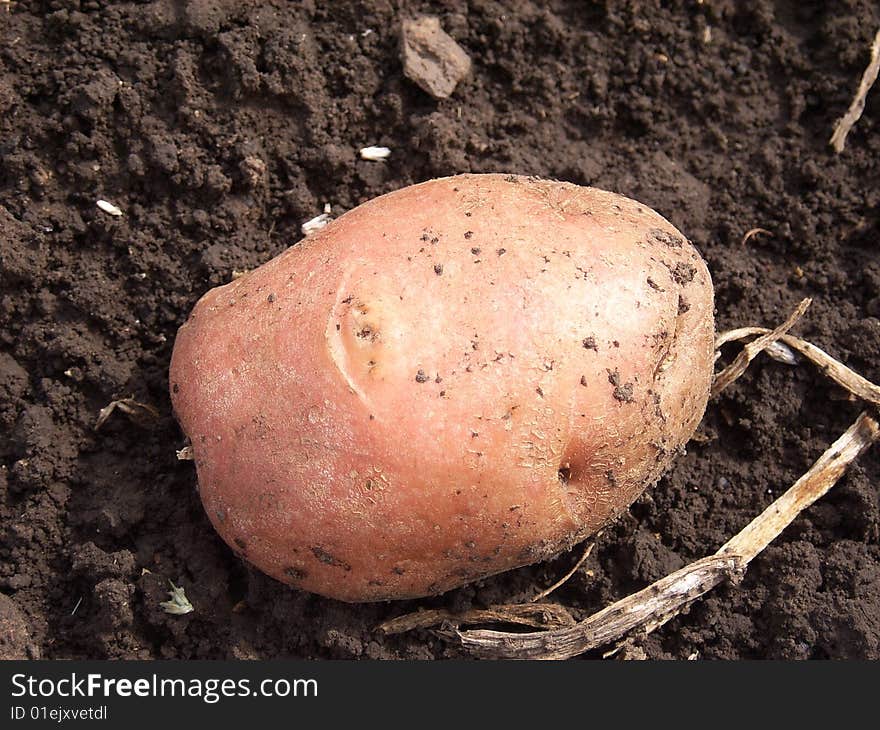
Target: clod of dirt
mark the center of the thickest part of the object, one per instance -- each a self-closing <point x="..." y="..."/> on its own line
<point x="14" y="633"/>
<point x="40" y="449"/>
<point x="89" y="560"/>
<point x="431" y="58"/>
<point x="15" y="378"/>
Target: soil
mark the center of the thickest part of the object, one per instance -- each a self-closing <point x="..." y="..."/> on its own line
<point x="219" y="126"/>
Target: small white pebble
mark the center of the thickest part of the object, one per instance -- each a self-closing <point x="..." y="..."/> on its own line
<point x="109" y="208"/>
<point x="374" y="154"/>
<point x="315" y="224"/>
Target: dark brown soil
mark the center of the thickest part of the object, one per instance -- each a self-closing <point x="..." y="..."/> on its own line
<point x="219" y="126"/>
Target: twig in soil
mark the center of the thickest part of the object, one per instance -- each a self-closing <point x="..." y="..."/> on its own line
<point x="547" y="591"/>
<point x="661" y="601"/>
<point x="753" y="348"/>
<point x="823" y="475"/>
<point x="837" y="371"/>
<point x="129" y="406"/>
<point x="857" y="106"/>
<point x="751" y="233"/>
<point x="534" y="614"/>
<point x="537" y="615"/>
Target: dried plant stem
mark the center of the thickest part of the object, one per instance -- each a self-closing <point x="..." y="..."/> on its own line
<point x="857" y="106"/>
<point x="659" y="602"/>
<point x="752" y="539"/>
<point x="752" y="232"/>
<point x="537" y="615"/>
<point x="753" y="348"/>
<point x="837" y="371"/>
<point x="547" y="591"/>
<point x="130" y="407"/>
<point x="660" y="599"/>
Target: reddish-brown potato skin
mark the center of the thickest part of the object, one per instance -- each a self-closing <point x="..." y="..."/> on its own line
<point x="449" y="381"/>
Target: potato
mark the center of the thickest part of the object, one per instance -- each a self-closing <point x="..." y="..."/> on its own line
<point x="449" y="381"/>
